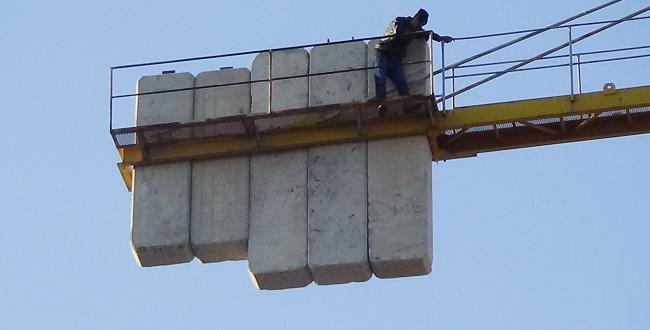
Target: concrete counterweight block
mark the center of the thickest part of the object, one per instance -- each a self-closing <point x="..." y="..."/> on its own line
<point x="288" y="93"/>
<point x="277" y="243"/>
<point x="338" y="87"/>
<point x="220" y="187"/>
<point x="400" y="234"/>
<point x="160" y="216"/>
<point x="416" y="74"/>
<point x="277" y="246"/>
<point x="337" y="238"/>
<point x="217" y="102"/>
<point x="338" y="218"/>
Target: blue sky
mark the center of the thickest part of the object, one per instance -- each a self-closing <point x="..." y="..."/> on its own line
<point x="545" y="238"/>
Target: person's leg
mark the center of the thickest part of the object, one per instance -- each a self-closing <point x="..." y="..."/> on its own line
<point x="381" y="72"/>
<point x="396" y="74"/>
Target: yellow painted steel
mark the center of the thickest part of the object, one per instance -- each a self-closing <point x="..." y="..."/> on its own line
<point x="459" y="118"/>
<point x="127" y="175"/>
<point x="525" y="110"/>
<point x="242" y="144"/>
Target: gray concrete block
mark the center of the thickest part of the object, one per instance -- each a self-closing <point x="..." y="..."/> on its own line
<point x="417" y="75"/>
<point x="160" y="225"/>
<point x="165" y="107"/>
<point x="160" y="219"/>
<point x="338" y="87"/>
<point x="220" y="209"/>
<point x="220" y="187"/>
<point x="338" y="248"/>
<point x="338" y="218"/>
<point x="400" y="225"/>
<point x="288" y="93"/>
<point x="222" y="101"/>
<point x="277" y="246"/>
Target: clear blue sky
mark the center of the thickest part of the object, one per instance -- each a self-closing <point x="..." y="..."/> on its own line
<point x="545" y="238"/>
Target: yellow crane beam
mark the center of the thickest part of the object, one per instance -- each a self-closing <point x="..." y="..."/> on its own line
<point x="461" y="132"/>
<point x="467" y="131"/>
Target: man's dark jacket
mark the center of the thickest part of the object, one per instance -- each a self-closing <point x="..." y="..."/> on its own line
<point x="394" y="44"/>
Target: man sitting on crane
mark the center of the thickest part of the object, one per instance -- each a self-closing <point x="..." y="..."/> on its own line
<point x="392" y="48"/>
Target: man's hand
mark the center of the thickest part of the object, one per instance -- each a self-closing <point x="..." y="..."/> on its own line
<point x="446" y="39"/>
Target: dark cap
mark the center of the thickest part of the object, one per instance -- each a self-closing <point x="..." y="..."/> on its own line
<point x="423" y="16"/>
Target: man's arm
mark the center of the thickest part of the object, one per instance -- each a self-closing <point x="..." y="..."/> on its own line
<point x="439" y="38"/>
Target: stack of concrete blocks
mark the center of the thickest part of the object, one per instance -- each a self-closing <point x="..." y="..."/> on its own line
<point x="330" y="214"/>
<point x="160" y="219"/>
<point x="277" y="247"/>
<point x="220" y="187"/>
<point x="337" y="202"/>
<point x="400" y="224"/>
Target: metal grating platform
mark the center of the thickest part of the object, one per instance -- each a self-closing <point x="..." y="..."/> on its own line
<point x="252" y="125"/>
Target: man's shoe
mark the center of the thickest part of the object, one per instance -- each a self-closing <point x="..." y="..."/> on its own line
<point x="381" y="110"/>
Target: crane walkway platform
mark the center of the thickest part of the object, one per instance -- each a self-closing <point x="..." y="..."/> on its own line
<point x="462" y="132"/>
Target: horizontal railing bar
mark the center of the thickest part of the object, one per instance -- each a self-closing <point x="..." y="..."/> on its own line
<point x="615" y="59"/>
<point x="552" y="66"/>
<point x="555" y="57"/>
<point x="256" y="81"/>
<point x="506" y="62"/>
<point x="612" y="50"/>
<point x="209" y="57"/>
<point x="517" y="70"/>
<point x="200" y="58"/>
<point x="500" y="34"/>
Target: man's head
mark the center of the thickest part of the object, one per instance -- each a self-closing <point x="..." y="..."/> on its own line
<point x="420" y="19"/>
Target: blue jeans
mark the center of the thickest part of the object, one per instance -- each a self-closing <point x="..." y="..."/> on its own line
<point x="389" y="67"/>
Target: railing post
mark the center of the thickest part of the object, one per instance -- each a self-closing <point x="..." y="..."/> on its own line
<point x="442" y="54"/>
<point x="571" y="61"/>
<point x="433" y="89"/>
<point x="110" y="107"/>
<point x="579" y="75"/>
<point x="270" y="80"/>
<point x="453" y="88"/>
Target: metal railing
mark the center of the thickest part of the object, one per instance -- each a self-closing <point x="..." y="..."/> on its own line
<point x="270" y="77"/>
<point x="575" y="60"/>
